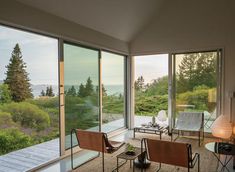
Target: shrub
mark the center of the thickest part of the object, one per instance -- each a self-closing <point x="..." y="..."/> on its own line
<point x="28" y="115"/>
<point x="198" y="97"/>
<point x="45" y="102"/>
<point x="12" y="139"/>
<point x="5" y="94"/>
<point x="6" y="120"/>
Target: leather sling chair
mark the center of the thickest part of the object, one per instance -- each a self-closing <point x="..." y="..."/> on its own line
<point x="94" y="141"/>
<point x="173" y="153"/>
<point x="189" y="122"/>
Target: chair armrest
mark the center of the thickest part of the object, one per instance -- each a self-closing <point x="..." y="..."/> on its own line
<point x="194" y="159"/>
<point x="114" y="146"/>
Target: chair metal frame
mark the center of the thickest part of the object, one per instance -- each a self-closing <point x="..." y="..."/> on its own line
<point x="199" y="132"/>
<point x="103" y="144"/>
<point x="191" y="160"/>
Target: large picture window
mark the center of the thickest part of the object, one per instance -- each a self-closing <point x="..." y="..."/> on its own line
<point x="113" y="91"/>
<point x="29" y="104"/>
<point x="197" y="79"/>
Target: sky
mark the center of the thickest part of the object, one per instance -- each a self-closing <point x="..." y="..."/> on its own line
<point x="81" y="63"/>
<point x="151" y="66"/>
<point x="40" y="53"/>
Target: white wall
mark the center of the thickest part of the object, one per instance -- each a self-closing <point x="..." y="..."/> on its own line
<point x="15" y="13"/>
<point x="185" y="25"/>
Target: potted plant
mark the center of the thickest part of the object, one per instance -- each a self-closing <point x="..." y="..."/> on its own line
<point x="130" y="149"/>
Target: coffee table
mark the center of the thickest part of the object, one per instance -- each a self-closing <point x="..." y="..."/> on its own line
<point x="220" y="148"/>
<point x="158" y="130"/>
<point x="131" y="158"/>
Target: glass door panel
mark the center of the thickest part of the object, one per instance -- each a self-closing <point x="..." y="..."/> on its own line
<point x="113" y="91"/>
<point x="196" y="79"/>
<point x="81" y="84"/>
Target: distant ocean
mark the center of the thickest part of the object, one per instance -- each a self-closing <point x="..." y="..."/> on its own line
<point x="110" y="89"/>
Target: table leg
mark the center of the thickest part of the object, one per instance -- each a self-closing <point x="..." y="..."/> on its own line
<point x="224" y="165"/>
<point x="134" y="132"/>
<point x="133" y="166"/>
<point x="160" y="135"/>
<point x="117" y="164"/>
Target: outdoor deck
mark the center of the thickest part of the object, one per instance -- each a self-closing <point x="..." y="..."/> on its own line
<point x="31" y="157"/>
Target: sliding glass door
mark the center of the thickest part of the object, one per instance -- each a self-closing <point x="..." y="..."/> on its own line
<point x="81" y="85"/>
<point x="197" y="84"/>
<point x="113" y="91"/>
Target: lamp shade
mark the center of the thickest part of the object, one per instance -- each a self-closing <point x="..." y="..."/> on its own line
<point x="222" y="128"/>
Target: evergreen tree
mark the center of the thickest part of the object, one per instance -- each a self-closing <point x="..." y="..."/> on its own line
<point x="17" y="77"/>
<point x="82" y="91"/>
<point x="186" y="75"/>
<point x="43" y="93"/>
<point x="49" y="92"/>
<point x="139" y="84"/>
<point x="196" y="69"/>
<point x="89" y="88"/>
<point x="71" y="91"/>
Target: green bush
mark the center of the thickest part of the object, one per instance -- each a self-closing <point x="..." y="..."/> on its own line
<point x="12" y="139"/>
<point x="150" y="105"/>
<point x="6" y="120"/>
<point x="197" y="97"/>
<point x="48" y="102"/>
<point x="28" y="115"/>
<point x="5" y="94"/>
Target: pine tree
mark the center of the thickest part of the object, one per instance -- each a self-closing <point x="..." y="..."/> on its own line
<point x="89" y="88"/>
<point x="17" y="77"/>
<point x="49" y="92"/>
<point x="187" y="73"/>
<point x="139" y="84"/>
<point x="43" y="93"/>
<point x="82" y="91"/>
<point x="71" y="91"/>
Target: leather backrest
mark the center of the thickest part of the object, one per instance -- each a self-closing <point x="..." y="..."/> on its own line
<point x="91" y="140"/>
<point x="168" y="152"/>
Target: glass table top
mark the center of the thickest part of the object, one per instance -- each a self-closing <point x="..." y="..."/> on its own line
<point x="221" y="148"/>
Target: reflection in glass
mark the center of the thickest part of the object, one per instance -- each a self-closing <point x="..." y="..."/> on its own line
<point x="196" y="84"/>
<point x="81" y="80"/>
<point x="113" y="91"/>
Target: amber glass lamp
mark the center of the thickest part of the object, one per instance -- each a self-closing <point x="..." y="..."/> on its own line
<point x="222" y="128"/>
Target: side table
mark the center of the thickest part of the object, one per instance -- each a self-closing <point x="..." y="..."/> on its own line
<point x="131" y="158"/>
<point x="221" y="148"/>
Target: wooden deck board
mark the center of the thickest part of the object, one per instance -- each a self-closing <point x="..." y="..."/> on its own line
<point x="31" y="157"/>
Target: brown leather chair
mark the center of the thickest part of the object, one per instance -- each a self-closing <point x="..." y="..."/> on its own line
<point x="179" y="154"/>
<point x="95" y="141"/>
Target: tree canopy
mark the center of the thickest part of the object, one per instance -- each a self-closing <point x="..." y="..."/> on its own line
<point x="196" y="69"/>
<point x="17" y="78"/>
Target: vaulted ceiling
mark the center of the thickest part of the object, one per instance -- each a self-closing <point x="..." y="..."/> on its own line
<point x="121" y="19"/>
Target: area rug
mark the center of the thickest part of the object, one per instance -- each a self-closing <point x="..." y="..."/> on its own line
<point x="208" y="161"/>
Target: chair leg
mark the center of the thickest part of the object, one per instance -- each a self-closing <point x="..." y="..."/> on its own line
<point x="198" y="163"/>
<point x="171" y="135"/>
<point x="159" y="168"/>
<point x="103" y="160"/>
<point x="199" y="138"/>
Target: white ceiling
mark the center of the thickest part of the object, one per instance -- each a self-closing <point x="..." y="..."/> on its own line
<point x="121" y="19"/>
